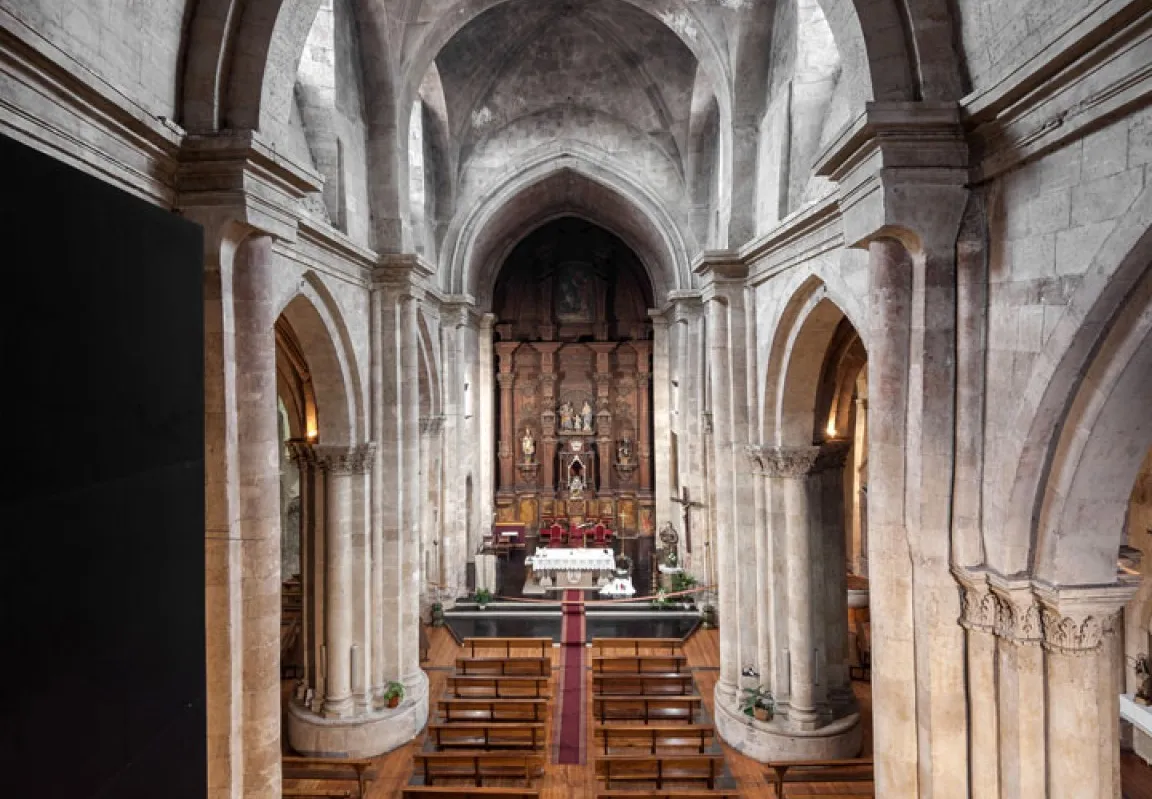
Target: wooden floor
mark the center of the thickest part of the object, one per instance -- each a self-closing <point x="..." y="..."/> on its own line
<point x="578" y="782"/>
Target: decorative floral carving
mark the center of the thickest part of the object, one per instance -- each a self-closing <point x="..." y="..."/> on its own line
<point x="1075" y="635"/>
<point x="980" y="609"/>
<point x="347" y="460"/>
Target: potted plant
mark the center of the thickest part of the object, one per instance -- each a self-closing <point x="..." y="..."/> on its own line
<point x="758" y="703"/>
<point x="708" y="617"/>
<point x="437" y="614"/>
<point x="483" y="597"/>
<point x="394" y="693"/>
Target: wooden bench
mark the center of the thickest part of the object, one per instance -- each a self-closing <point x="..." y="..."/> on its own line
<point x="453" y="792"/>
<point x="478" y="766"/>
<point x="486" y="736"/>
<point x="497" y="687"/>
<point x="680" y="793"/>
<point x="523" y="645"/>
<point x="296" y="792"/>
<point x="531" y="667"/>
<point x="634" y="645"/>
<point x="643" y="684"/>
<point x="360" y="771"/>
<point x="809" y="771"/>
<point x="693" y="736"/>
<point x="660" y="770"/>
<point x="640" y="664"/>
<point x="646" y="709"/>
<point x="500" y="710"/>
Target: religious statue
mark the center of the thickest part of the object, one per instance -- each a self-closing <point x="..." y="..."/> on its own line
<point x="624" y="450"/>
<point x="586" y="415"/>
<point x="1144" y="671"/>
<point x="576" y="485"/>
<point x="528" y="446"/>
<point x="567" y="416"/>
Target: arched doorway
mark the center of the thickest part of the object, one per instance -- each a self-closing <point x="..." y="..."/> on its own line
<point x="573" y="366"/>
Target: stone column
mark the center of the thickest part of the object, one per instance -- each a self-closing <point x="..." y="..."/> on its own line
<point x="1079" y="628"/>
<point x="794" y="465"/>
<point x="339" y="464"/>
<point x="893" y="647"/>
<point x="1021" y="703"/>
<point x="486" y="485"/>
<point x="719" y="316"/>
<point x="257" y="455"/>
<point x="831" y="576"/>
<point x="764" y="583"/>
<point x="661" y="419"/>
<point x="979" y="621"/>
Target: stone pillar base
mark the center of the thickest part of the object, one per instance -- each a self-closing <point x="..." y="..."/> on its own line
<point x="365" y="735"/>
<point x="776" y="740"/>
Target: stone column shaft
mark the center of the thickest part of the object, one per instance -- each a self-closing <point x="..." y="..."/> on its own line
<point x="795" y="464"/>
<point x="662" y="422"/>
<point x="338" y="607"/>
<point x="257" y="457"/>
<point x="891" y="600"/>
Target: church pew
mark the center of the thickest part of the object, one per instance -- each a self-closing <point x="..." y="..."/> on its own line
<point x="497" y="687"/>
<point x="678" y="793"/>
<point x="643" y="684"/>
<point x="660" y="769"/>
<point x="478" y="766"/>
<point x="358" y="770"/>
<point x="646" y="709"/>
<point x="811" y="771"/>
<point x="653" y="739"/>
<point x="487" y="735"/>
<point x="471" y="792"/>
<point x="531" y="667"/>
<point x="634" y="645"/>
<point x="498" y="710"/>
<point x="639" y="664"/>
<point x="509" y="645"/>
<point x="297" y="792"/>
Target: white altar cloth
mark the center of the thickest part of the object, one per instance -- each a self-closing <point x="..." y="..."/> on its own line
<point x="561" y="560"/>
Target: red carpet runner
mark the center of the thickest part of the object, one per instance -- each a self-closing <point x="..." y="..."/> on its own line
<point x="568" y="733"/>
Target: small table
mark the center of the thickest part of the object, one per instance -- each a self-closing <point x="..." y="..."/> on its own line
<point x="558" y="569"/>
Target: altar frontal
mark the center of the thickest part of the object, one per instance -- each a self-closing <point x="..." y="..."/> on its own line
<point x="558" y="569"/>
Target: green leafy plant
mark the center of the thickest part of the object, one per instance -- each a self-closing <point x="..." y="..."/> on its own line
<point x="394" y="693"/>
<point x="661" y="601"/>
<point x="757" y="702"/>
<point x="682" y="581"/>
<point x="483" y="596"/>
<point x="437" y="614"/>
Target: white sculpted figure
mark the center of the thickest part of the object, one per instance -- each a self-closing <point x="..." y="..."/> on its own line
<point x="586" y="415"/>
<point x="528" y="445"/>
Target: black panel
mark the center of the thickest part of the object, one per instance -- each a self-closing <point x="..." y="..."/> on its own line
<point x="102" y="553"/>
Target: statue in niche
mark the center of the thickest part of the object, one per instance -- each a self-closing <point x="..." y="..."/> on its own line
<point x="567" y="416"/>
<point x="576" y="479"/>
<point x="624" y="450"/>
<point x="528" y="446"/>
<point x="586" y="416"/>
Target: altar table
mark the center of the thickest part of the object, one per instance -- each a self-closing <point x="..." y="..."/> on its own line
<point x="556" y="569"/>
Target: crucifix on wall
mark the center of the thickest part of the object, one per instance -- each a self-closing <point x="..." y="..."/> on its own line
<point x="686" y="504"/>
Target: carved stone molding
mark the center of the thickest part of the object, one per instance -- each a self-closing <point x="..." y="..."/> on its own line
<point x="356" y="459"/>
<point x="1075" y="635"/>
<point x="979" y="608"/>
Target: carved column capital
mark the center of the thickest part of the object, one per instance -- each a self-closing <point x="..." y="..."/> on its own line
<point x="1077" y="620"/>
<point x="302" y="452"/>
<point x="979" y="606"/>
<point x="792" y="462"/>
<point x="1017" y="615"/>
<point x="431" y="424"/>
<point x="757" y="459"/>
<point x="356" y="459"/>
